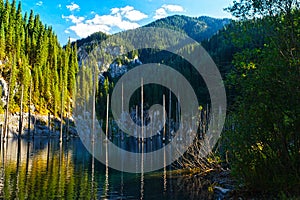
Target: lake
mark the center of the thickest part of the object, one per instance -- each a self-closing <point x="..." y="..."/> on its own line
<point x="44" y="169"/>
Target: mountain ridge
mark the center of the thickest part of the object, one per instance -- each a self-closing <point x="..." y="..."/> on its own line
<point x="199" y="28"/>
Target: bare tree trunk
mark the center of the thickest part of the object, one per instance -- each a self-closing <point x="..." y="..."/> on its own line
<point x="93" y="171"/>
<point x="6" y="120"/>
<point x="170" y="112"/>
<point x="109" y="129"/>
<point x="1" y="133"/>
<point x="94" y="105"/>
<point x="49" y="124"/>
<point x="61" y="115"/>
<point x="120" y="132"/>
<point x="178" y="120"/>
<point x="107" y="109"/>
<point x="122" y="100"/>
<point x="29" y="109"/>
<point x="21" y="113"/>
<point x="68" y="119"/>
<point x="164" y="115"/>
<point x="142" y="109"/>
<point x="136" y="122"/>
<point x="200" y="124"/>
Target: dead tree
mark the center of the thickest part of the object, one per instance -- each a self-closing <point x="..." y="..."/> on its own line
<point x="21" y="112"/>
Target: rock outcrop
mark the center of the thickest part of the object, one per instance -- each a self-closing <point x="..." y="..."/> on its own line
<point x="40" y="126"/>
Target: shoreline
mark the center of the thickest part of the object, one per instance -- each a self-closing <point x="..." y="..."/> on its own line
<point x="40" y="126"/>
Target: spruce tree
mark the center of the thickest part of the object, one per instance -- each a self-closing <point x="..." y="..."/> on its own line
<point x="32" y="53"/>
<point x="2" y="42"/>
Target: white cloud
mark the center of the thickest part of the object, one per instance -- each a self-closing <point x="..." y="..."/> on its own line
<point x="67" y="31"/>
<point x="119" y="19"/>
<point x="135" y="15"/>
<point x="59" y="5"/>
<point x="83" y="30"/>
<point x="126" y="9"/>
<point x="110" y="21"/>
<point x="73" y="6"/>
<point x="73" y="19"/>
<point x="40" y="3"/>
<point x="72" y="39"/>
<point x="114" y="10"/>
<point x="129" y="12"/>
<point x="160" y="13"/>
<point x="164" y="9"/>
<point x="173" y="8"/>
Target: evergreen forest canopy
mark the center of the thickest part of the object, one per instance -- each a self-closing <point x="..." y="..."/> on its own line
<point x="32" y="58"/>
<point x="198" y="28"/>
<point x="258" y="56"/>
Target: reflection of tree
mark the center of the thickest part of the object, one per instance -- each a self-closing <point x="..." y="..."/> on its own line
<point x="44" y="176"/>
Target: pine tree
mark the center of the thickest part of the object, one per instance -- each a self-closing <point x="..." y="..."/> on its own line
<point x="30" y="39"/>
<point x="7" y="26"/>
<point x="73" y="69"/>
<point x="35" y="79"/>
<point x="47" y="85"/>
<point x="1" y="7"/>
<point x="25" y="77"/>
<point x="13" y="82"/>
<point x="2" y="42"/>
<point x="19" y="32"/>
<point x="34" y="57"/>
<point x="30" y="24"/>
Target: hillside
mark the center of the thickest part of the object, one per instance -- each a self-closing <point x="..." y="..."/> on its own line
<point x="34" y="67"/>
<point x="198" y="28"/>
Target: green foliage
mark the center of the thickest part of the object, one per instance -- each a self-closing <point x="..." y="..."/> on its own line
<point x="31" y="55"/>
<point x="265" y="142"/>
<point x="198" y="28"/>
<point x="91" y="41"/>
<point x="256" y="8"/>
<point x="2" y="42"/>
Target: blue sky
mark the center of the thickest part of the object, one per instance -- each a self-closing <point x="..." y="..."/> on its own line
<point x="80" y="18"/>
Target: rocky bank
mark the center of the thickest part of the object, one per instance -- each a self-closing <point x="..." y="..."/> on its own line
<point x="40" y="126"/>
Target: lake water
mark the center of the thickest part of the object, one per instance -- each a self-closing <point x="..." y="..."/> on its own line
<point x="44" y="169"/>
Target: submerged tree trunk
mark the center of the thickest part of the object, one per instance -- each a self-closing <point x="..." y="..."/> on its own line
<point x="170" y="112"/>
<point x="136" y="122"/>
<point x="68" y="118"/>
<point x="61" y="115"/>
<point x="21" y="112"/>
<point x="94" y="106"/>
<point x="49" y="125"/>
<point x="29" y="109"/>
<point x="142" y="109"/>
<point x="164" y="117"/>
<point x="107" y="107"/>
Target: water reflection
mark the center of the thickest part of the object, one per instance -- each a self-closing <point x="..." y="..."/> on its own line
<point x="47" y="169"/>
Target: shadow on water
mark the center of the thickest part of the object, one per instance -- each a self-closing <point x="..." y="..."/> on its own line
<point x="45" y="169"/>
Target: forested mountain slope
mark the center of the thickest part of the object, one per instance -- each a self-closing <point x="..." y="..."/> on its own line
<point x="198" y="28"/>
<point x="32" y="61"/>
